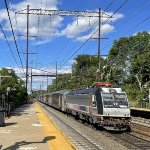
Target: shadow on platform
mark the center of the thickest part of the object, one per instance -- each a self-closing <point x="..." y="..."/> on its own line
<point x="21" y="110"/>
<point x="18" y="145"/>
<point x="9" y="124"/>
<point x="18" y="113"/>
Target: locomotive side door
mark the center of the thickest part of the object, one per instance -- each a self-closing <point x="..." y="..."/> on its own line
<point x="90" y="103"/>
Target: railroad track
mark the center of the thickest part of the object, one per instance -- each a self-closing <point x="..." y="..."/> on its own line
<point x="141" y="125"/>
<point x="81" y="141"/>
<point x="133" y="142"/>
<point x="139" y="120"/>
<point x="81" y="137"/>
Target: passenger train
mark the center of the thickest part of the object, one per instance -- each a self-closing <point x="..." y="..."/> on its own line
<point x="101" y="105"/>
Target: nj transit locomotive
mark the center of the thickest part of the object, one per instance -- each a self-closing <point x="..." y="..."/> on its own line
<point x="102" y="105"/>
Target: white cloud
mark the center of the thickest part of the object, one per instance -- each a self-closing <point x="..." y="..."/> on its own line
<point x="49" y="27"/>
<point x="72" y="61"/>
<point x="39" y="25"/>
<point x="75" y="31"/>
<point x="107" y="28"/>
<point x="72" y="30"/>
<point x="1" y="35"/>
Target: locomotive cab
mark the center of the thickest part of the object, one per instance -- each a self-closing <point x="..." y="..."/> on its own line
<point x="115" y="108"/>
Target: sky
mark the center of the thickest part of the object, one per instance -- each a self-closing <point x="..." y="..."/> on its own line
<point x="61" y="38"/>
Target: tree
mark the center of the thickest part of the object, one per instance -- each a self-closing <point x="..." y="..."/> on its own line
<point x="83" y="74"/>
<point x="85" y="67"/>
<point x="17" y="92"/>
<point x="129" y="60"/>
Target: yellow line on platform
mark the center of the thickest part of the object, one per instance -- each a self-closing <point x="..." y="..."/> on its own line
<point x="56" y="139"/>
<point x="140" y="109"/>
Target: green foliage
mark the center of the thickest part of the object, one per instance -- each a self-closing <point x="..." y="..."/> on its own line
<point x="17" y="92"/>
<point x="130" y="59"/>
<point x="83" y="74"/>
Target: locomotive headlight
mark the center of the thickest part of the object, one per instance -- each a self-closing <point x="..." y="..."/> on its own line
<point x="127" y="115"/>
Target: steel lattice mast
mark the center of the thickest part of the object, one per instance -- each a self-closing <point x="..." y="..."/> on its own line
<point x="64" y="13"/>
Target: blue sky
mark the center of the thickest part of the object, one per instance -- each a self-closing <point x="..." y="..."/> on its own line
<point x="57" y="38"/>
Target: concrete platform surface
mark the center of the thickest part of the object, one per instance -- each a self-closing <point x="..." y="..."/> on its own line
<point x="29" y="128"/>
<point x="22" y="132"/>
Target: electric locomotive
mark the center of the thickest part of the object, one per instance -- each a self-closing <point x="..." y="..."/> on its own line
<point x="101" y="105"/>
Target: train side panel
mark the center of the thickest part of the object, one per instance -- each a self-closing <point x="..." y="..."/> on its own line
<point x="55" y="101"/>
<point x="81" y="106"/>
<point x="49" y="100"/>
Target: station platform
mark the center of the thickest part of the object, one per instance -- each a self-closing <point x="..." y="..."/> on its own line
<point x="140" y="109"/>
<point x="29" y="128"/>
<point x="140" y="112"/>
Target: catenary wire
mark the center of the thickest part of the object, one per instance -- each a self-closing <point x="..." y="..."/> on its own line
<point x="93" y="34"/>
<point x="13" y="34"/>
<point x="96" y="20"/>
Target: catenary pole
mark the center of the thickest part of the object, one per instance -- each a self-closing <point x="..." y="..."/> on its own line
<point x="99" y="38"/>
<point x="27" y="49"/>
<point x="31" y="80"/>
<point x="56" y="75"/>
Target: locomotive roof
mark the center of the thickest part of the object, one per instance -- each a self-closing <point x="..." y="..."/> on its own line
<point x="84" y="91"/>
<point x="94" y="89"/>
<point x="59" y="92"/>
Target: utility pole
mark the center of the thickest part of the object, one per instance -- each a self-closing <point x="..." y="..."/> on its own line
<point x="149" y="97"/>
<point x="31" y="80"/>
<point x="27" y="51"/>
<point x="56" y="75"/>
<point x="47" y="83"/>
<point x="40" y="89"/>
<point x="99" y="34"/>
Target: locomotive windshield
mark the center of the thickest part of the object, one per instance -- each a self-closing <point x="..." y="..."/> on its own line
<point x="114" y="100"/>
<point x="108" y="99"/>
<point x="121" y="99"/>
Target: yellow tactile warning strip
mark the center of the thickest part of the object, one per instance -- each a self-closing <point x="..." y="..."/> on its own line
<point x="140" y="109"/>
<point x="57" y="140"/>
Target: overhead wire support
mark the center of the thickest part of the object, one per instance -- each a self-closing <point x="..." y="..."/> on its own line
<point x="63" y="13"/>
<point x="91" y="24"/>
<point x="41" y="70"/>
<point x="94" y="33"/>
<point x="77" y="14"/>
<point x="44" y="75"/>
